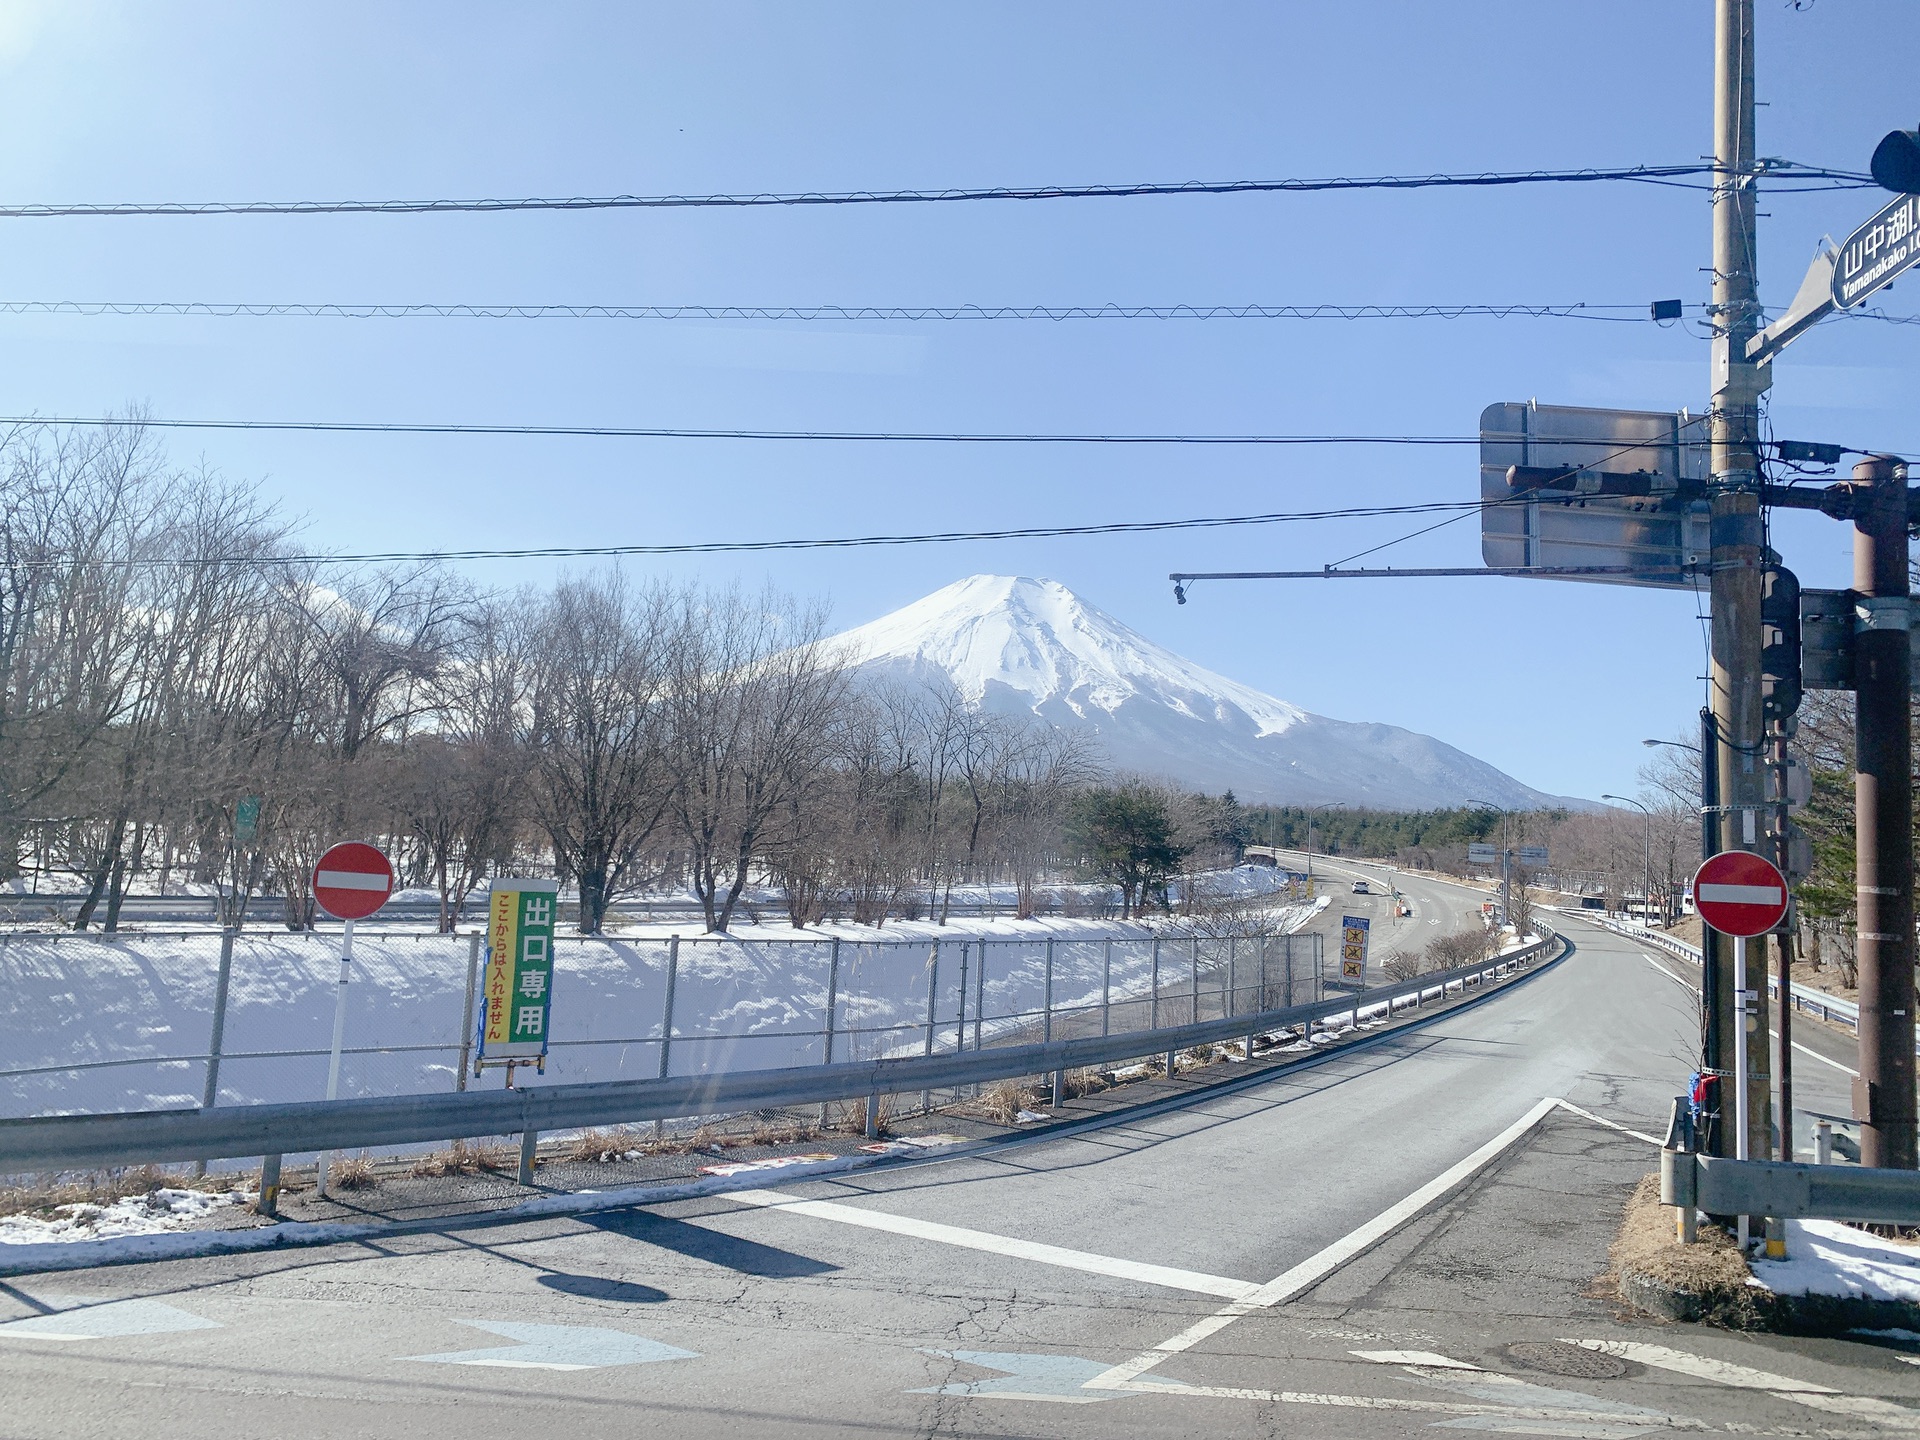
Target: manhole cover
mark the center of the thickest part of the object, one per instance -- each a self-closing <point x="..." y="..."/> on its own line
<point x="1557" y="1359"/>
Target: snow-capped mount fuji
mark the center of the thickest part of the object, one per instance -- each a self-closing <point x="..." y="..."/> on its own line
<point x="1017" y="645"/>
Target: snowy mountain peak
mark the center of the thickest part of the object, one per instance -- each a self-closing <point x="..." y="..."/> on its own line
<point x="1043" y="642"/>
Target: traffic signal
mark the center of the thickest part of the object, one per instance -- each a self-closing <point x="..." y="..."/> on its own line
<point x="1896" y="162"/>
<point x="1780" y="643"/>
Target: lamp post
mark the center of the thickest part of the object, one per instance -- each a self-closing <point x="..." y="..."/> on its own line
<point x="1326" y="805"/>
<point x="1646" y="890"/>
<point x="1506" y="860"/>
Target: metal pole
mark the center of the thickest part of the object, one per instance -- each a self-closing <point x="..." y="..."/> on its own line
<point x="1106" y="991"/>
<point x="529" y="1142"/>
<point x="1783" y="947"/>
<point x="980" y="997"/>
<point x="666" y="1021"/>
<point x="1736" y="531"/>
<point x="833" y="1003"/>
<point x="933" y="996"/>
<point x="466" y="1011"/>
<point x="1742" y="1089"/>
<point x="1059" y="1077"/>
<point x="216" y="1037"/>
<point x="1195" y="988"/>
<point x="1883" y="817"/>
<point x="325" y="1160"/>
<point x="960" y="1025"/>
<point x="1712" y="1033"/>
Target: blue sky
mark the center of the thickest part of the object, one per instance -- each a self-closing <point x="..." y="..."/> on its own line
<point x="1554" y="682"/>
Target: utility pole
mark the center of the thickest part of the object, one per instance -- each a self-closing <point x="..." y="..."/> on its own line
<point x="1737" y="541"/>
<point x="1883" y="809"/>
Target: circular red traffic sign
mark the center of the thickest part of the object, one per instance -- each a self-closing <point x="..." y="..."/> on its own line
<point x="1740" y="894"/>
<point x="352" y="881"/>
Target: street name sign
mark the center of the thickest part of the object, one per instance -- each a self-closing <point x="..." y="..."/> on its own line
<point x="352" y="881"/>
<point x="1740" y="894"/>
<point x="518" y="990"/>
<point x="1878" y="253"/>
<point x="1478" y="854"/>
<point x="1532" y="854"/>
<point x="1564" y="486"/>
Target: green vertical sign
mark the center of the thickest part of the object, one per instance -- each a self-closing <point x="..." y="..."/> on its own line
<point x="519" y="976"/>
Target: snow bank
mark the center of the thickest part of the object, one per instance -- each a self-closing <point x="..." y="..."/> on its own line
<point x="156" y="1213"/>
<point x="1825" y="1257"/>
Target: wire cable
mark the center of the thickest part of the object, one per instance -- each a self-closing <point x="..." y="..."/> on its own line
<point x="375" y="427"/>
<point x="1800" y="176"/>
<point x="1582" y="310"/>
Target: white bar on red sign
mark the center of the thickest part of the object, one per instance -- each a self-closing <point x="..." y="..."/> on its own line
<point x="350" y="880"/>
<point x="1740" y="894"/>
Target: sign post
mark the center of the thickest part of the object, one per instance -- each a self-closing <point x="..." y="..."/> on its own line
<point x="350" y="883"/>
<point x="517" y="992"/>
<point x="1741" y="895"/>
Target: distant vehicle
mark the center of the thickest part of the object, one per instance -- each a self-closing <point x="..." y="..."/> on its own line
<point x="1360" y="888"/>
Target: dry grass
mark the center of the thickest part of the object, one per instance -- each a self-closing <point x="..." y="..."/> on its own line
<point x="1711" y="1268"/>
<point x="460" y="1158"/>
<point x="1086" y="1081"/>
<point x="352" y="1174"/>
<point x="853" y="1119"/>
<point x="105" y="1187"/>
<point x="591" y="1146"/>
<point x="1005" y="1101"/>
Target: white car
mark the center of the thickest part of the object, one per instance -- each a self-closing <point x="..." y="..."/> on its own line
<point x="1360" y="888"/>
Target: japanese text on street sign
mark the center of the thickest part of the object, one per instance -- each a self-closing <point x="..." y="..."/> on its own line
<point x="519" y="975"/>
<point x="1353" y="946"/>
<point x="1876" y="253"/>
<point x="1478" y="854"/>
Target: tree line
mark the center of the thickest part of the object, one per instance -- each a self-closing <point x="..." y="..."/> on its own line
<point x="187" y="696"/>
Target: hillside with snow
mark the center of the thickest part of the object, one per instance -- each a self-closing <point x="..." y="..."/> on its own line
<point x="1023" y="646"/>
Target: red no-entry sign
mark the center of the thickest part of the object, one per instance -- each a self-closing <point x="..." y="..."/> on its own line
<point x="1740" y="894"/>
<point x="352" y="881"/>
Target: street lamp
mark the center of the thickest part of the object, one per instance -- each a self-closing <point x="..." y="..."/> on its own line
<point x="1677" y="745"/>
<point x="1646" y="889"/>
<point x="1325" y="805"/>
<point x="1506" y="860"/>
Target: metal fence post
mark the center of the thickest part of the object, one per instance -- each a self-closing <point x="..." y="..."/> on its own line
<point x="933" y="994"/>
<point x="1263" y="1005"/>
<point x="1046" y="1031"/>
<point x="980" y="997"/>
<point x="833" y="1003"/>
<point x="666" y="1020"/>
<point x="1233" y="979"/>
<point x="1196" y="981"/>
<point x="466" y="1012"/>
<point x="960" y="1025"/>
<point x="529" y="1141"/>
<point x="216" y="1037"/>
<point x="269" y="1201"/>
<point x="1106" y="991"/>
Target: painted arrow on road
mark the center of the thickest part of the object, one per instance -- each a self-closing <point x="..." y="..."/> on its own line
<point x="1027" y="1377"/>
<point x="76" y="1318"/>
<point x="559" y="1347"/>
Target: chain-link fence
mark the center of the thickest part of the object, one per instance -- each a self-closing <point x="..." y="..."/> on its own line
<point x="93" y="1024"/>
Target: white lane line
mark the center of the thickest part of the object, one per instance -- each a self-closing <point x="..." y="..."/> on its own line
<point x="1312" y="1271"/>
<point x="1174" y="1279"/>
<point x="1663" y="970"/>
<point x="1414" y="1357"/>
<point x="1818" y="1056"/>
<point x="1701" y="1367"/>
<point x="1569" y="1106"/>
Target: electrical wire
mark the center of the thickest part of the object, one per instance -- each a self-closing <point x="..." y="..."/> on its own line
<point x="1582" y="310"/>
<point x="1799" y="175"/>
<point x="375" y="427"/>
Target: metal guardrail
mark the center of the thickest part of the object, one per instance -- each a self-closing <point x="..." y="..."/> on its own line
<point x="68" y="1142"/>
<point x="1786" y="1190"/>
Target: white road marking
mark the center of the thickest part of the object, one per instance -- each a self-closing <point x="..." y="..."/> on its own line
<point x="1173" y="1279"/>
<point x="1549" y="1414"/>
<point x="1312" y="1271"/>
<point x="1414" y="1357"/>
<point x="80" y="1319"/>
<point x="1721" y="1372"/>
<point x="1817" y="1055"/>
<point x="1663" y="970"/>
<point x="1572" y="1108"/>
<point x="1858" y="1407"/>
<point x="559" y="1347"/>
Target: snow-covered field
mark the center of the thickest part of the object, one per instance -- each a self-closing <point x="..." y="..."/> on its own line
<point x="751" y="1001"/>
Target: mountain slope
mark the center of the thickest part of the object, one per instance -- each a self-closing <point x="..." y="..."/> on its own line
<point x="1017" y="645"/>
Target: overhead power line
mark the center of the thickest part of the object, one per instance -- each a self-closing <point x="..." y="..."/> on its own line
<point x="621" y="432"/>
<point x="1634" y="313"/>
<point x="1690" y="175"/>
<point x="725" y="547"/>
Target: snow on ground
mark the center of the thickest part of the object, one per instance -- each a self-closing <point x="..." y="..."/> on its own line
<point x="1826" y="1257"/>
<point x="154" y="1213"/>
<point x="120" y="1007"/>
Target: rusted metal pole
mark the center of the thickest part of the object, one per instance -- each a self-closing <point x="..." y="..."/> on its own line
<point x="1883" y="1095"/>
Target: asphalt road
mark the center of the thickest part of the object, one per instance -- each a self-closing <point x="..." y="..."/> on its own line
<point x="978" y="1295"/>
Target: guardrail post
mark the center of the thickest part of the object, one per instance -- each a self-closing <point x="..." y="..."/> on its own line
<point x="833" y="1003"/>
<point x="529" y="1141"/>
<point x="216" y="1038"/>
<point x="466" y="1012"/>
<point x="666" y="1020"/>
<point x="269" y="1201"/>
